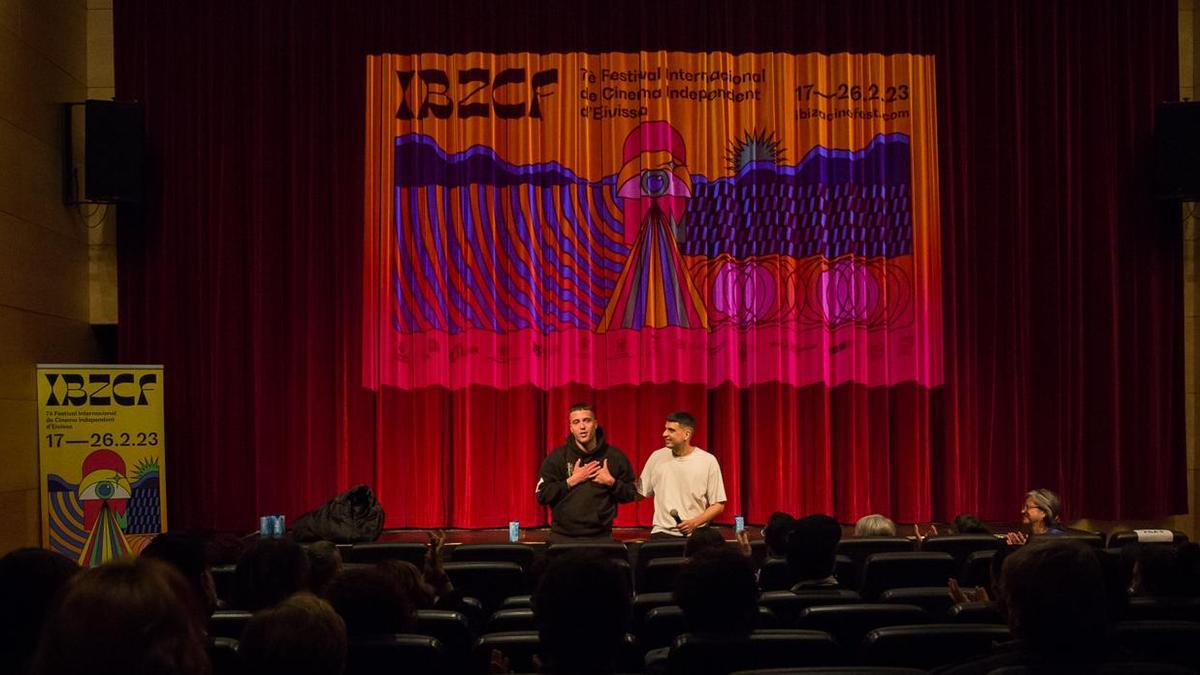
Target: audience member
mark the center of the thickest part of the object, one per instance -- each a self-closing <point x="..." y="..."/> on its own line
<point x="269" y="571"/>
<point x="324" y="563"/>
<point x="1166" y="570"/>
<point x="875" y="525"/>
<point x="302" y="635"/>
<point x="371" y="602"/>
<point x="185" y="552"/>
<point x="812" y="551"/>
<point x="718" y="594"/>
<point x="582" y="610"/>
<point x="135" y="616"/>
<point x="775" y="533"/>
<point x="965" y="523"/>
<point x="30" y="579"/>
<point x="1040" y="515"/>
<point x="1054" y="596"/>
<point x="703" y="539"/>
<point x="412" y="583"/>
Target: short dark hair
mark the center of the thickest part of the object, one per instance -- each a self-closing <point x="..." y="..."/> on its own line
<point x="269" y="571"/>
<point x="683" y="419"/>
<point x="776" y="531"/>
<point x="371" y="602"/>
<point x="582" y="406"/>
<point x="1054" y="596"/>
<point x="582" y="579"/>
<point x="185" y="552"/>
<point x="965" y="523"/>
<point x="812" y="546"/>
<point x="324" y="563"/>
<point x="30" y="580"/>
<point x="703" y="539"/>
<point x="717" y="592"/>
<point x="300" y="636"/>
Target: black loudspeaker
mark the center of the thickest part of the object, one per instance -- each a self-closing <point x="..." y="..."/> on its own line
<point x="113" y="151"/>
<point x="1177" y="150"/>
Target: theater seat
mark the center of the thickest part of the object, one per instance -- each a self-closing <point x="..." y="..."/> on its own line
<point x="643" y="603"/>
<point x="706" y="655"/>
<point x="962" y="545"/>
<point x="660" y="626"/>
<point x="1093" y="539"/>
<point x="489" y="582"/>
<point x="849" y="623"/>
<point x="653" y="550"/>
<point x="517" y="602"/>
<point x="451" y="629"/>
<point x="774" y="575"/>
<point x="1149" y="608"/>
<point x="659" y="575"/>
<point x="933" y="599"/>
<point x="977" y="570"/>
<point x="858" y="548"/>
<point x="884" y="571"/>
<point x="614" y="550"/>
<point x="223" y="655"/>
<point x="975" y="612"/>
<point x="374" y="552"/>
<point x="519" y="648"/>
<point x="228" y="623"/>
<point x="1122" y="538"/>
<point x="1160" y="641"/>
<point x="514" y="553"/>
<point x="377" y="654"/>
<point x="930" y="645"/>
<point x="511" y="620"/>
<point x="224" y="581"/>
<point x="787" y="605"/>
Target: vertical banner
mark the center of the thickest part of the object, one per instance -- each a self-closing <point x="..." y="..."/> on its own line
<point x="101" y="446"/>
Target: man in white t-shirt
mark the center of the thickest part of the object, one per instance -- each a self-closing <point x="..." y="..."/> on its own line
<point x="684" y="480"/>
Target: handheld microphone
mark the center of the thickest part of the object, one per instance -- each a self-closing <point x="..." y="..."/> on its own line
<point x="675" y="515"/>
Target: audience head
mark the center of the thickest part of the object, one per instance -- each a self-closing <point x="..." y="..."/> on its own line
<point x="30" y="580"/>
<point x="1166" y="570"/>
<point x="775" y="533"/>
<point x="581" y="608"/>
<point x="703" y="539"/>
<point x="1041" y="510"/>
<point x="965" y="523"/>
<point x="371" y="602"/>
<point x="269" y="571"/>
<point x="875" y="525"/>
<point x="812" y="547"/>
<point x="185" y="552"/>
<point x="1054" y="595"/>
<point x="130" y="617"/>
<point x="412" y="583"/>
<point x="300" y="636"/>
<point x="718" y="594"/>
<point x="324" y="563"/>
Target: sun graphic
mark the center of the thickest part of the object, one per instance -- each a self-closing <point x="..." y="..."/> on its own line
<point x="753" y="146"/>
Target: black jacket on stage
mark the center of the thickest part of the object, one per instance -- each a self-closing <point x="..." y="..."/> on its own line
<point x="588" y="509"/>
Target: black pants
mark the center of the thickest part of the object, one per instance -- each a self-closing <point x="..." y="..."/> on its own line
<point x="667" y="537"/>
<point x="556" y="538"/>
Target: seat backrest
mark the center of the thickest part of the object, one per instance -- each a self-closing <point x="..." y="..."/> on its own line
<point x="660" y="626"/>
<point x="519" y="647"/>
<point x="1160" y="641"/>
<point x="450" y="628"/>
<point x="509" y="620"/>
<point x="517" y="602"/>
<point x="930" y="645"/>
<point x="644" y="602"/>
<point x="224" y="581"/>
<point x="977" y="569"/>
<point x="489" y="582"/>
<point x="1144" y="608"/>
<point x="659" y="575"/>
<point x="375" y="654"/>
<point x="774" y="575"/>
<point x="1122" y="538"/>
<point x="615" y="550"/>
<point x="961" y="545"/>
<point x="845" y="571"/>
<point x="933" y="599"/>
<point x="378" y="551"/>
<point x="228" y="623"/>
<point x="975" y="612"/>
<point x="708" y="655"/>
<point x="223" y="655"/>
<point x="849" y="623"/>
<point x="1094" y="539"/>
<point x="858" y="548"/>
<point x="658" y="548"/>
<point x="514" y="553"/>
<point x="884" y="571"/>
<point x="787" y="605"/>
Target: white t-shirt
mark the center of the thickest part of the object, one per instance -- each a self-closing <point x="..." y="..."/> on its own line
<point x="688" y="484"/>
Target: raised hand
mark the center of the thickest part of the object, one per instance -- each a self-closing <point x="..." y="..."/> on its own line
<point x="1016" y="538"/>
<point x="581" y="473"/>
<point x="743" y="542"/>
<point x="602" y="476"/>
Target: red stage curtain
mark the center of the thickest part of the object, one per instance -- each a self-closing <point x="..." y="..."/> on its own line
<point x="1061" y="278"/>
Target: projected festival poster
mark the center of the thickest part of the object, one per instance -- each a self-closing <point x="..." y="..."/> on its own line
<point x="619" y="218"/>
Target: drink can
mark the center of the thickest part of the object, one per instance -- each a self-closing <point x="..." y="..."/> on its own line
<point x="264" y="526"/>
<point x="514" y="531"/>
<point x="739" y="524"/>
<point x="277" y="526"/>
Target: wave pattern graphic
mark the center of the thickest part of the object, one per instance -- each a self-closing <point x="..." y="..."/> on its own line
<point x="484" y="244"/>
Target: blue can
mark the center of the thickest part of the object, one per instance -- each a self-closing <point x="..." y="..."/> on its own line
<point x="514" y="531"/>
<point x="265" y="527"/>
<point x="277" y="526"/>
<point x="739" y="524"/>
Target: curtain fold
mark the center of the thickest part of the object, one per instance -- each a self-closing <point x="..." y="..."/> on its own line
<point x="1061" y="288"/>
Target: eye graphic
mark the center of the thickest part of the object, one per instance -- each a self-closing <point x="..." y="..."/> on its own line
<point x="104" y="489"/>
<point x="655" y="182"/>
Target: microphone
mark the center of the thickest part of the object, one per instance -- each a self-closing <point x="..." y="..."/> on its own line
<point x="675" y="515"/>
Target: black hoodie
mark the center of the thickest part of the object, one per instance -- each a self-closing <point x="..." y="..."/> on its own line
<point x="588" y="509"/>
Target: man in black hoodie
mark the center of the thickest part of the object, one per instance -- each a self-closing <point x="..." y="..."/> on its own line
<point x="583" y="480"/>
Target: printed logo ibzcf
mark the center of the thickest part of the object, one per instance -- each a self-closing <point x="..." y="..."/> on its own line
<point x="475" y="94"/>
<point x="99" y="389"/>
